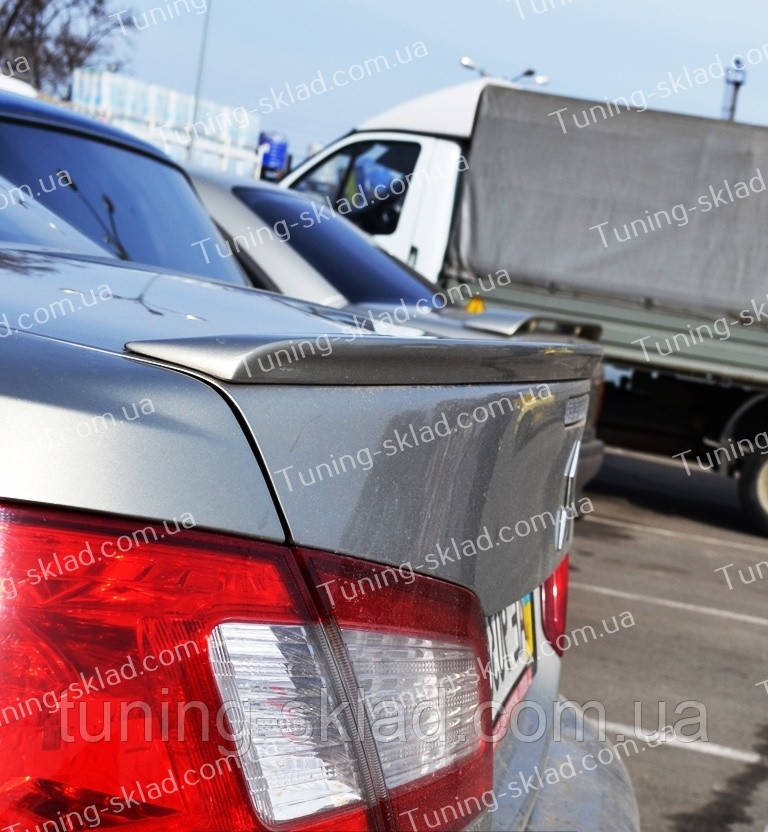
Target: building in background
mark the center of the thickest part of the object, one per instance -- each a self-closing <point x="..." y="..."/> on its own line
<point x="225" y="138"/>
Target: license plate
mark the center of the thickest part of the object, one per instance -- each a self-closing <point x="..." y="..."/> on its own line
<point x="511" y="647"/>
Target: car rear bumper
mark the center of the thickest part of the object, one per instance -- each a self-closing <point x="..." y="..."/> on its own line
<point x="581" y="785"/>
<point x="596" y="794"/>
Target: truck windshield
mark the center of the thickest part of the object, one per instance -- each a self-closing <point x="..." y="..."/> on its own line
<point x="355" y="267"/>
<point x="135" y="206"/>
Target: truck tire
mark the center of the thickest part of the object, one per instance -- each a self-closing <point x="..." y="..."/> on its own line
<point x="753" y="490"/>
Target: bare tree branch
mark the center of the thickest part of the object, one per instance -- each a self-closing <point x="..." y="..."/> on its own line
<point x="56" y="37"/>
<point x="8" y="25"/>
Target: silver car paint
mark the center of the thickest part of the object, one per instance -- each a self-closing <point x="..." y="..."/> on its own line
<point x="506" y="470"/>
<point x="87" y="429"/>
<point x="138" y="304"/>
<point x="500" y="472"/>
<point x="195" y="458"/>
<point x="47" y="383"/>
<point x="366" y="359"/>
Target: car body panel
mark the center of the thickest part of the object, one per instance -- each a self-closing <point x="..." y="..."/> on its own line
<point x="87" y="429"/>
<point x="138" y="303"/>
<point x="514" y="461"/>
<point x="509" y="469"/>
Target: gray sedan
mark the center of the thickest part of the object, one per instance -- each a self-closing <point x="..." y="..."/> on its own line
<point x="260" y="569"/>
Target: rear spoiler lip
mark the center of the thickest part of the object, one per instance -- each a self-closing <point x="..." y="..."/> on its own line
<point x="373" y="360"/>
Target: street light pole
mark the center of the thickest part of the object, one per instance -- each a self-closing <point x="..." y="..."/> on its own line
<point x="540" y="80"/>
<point x="526" y="73"/>
<point x="468" y="63"/>
<point x="735" y="77"/>
<point x="199" y="80"/>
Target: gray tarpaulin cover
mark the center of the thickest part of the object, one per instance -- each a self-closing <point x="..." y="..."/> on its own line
<point x="532" y="192"/>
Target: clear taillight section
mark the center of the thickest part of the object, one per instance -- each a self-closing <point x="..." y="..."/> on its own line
<point x="274" y="684"/>
<point x="413" y="642"/>
<point x="168" y="681"/>
<point x="421" y="696"/>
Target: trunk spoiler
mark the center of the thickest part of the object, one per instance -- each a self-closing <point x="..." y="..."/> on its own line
<point x="372" y="360"/>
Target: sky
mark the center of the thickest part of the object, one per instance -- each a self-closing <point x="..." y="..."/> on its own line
<point x="598" y="49"/>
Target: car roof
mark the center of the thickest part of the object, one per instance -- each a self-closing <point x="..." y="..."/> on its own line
<point x="231" y="180"/>
<point x="20" y="108"/>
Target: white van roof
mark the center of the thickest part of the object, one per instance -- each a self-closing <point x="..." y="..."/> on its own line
<point x="446" y="112"/>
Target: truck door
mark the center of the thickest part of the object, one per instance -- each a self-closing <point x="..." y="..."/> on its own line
<point x="382" y="182"/>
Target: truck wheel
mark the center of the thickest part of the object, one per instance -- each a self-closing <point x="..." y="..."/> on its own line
<point x="753" y="490"/>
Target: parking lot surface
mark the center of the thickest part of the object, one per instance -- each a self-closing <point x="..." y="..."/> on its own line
<point x="651" y="548"/>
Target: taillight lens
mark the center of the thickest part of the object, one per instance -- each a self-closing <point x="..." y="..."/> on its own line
<point x="109" y="700"/>
<point x="181" y="680"/>
<point x="414" y="644"/>
<point x="272" y="676"/>
<point x="418" y="682"/>
<point x="554" y="605"/>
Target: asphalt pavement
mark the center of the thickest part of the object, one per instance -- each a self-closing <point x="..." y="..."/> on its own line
<point x="650" y="549"/>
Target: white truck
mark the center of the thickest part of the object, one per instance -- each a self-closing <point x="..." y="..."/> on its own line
<point x="649" y="225"/>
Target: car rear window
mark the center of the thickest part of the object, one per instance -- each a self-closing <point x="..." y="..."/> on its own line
<point x="32" y="224"/>
<point x="356" y="268"/>
<point x="133" y="205"/>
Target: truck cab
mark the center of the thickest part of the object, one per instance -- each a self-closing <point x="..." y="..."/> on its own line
<point x="385" y="173"/>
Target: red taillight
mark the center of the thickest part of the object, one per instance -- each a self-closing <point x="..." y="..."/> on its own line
<point x="554" y="605"/>
<point x="419" y="643"/>
<point x="137" y="658"/>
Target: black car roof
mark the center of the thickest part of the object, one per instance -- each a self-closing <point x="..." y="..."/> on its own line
<point x="18" y="107"/>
